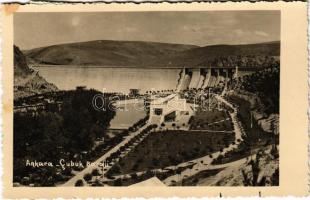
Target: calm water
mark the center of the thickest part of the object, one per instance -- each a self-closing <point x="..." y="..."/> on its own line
<point x="127" y="115"/>
<point x="112" y="79"/>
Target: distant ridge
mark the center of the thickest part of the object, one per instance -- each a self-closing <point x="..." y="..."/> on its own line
<point x="143" y="54"/>
<point x="105" y="53"/>
<point x="207" y="54"/>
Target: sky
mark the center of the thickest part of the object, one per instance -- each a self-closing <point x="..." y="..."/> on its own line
<point x="201" y="28"/>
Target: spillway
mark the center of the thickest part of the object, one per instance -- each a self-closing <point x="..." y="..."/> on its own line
<point x="207" y="79"/>
<point x="185" y="80"/>
<point x="202" y="78"/>
<point x="195" y="78"/>
<point x="212" y="80"/>
<point x="217" y="77"/>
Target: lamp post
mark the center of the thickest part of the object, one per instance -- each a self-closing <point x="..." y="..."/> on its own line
<point x="210" y="99"/>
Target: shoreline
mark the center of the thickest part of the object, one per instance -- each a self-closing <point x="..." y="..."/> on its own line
<point x="141" y="67"/>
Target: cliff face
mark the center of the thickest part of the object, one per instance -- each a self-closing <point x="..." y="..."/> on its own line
<point x="26" y="81"/>
<point x="20" y="65"/>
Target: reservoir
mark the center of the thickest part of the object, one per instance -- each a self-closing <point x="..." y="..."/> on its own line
<point x="110" y="79"/>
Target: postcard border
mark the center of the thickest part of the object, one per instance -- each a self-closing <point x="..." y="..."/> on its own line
<point x="293" y="106"/>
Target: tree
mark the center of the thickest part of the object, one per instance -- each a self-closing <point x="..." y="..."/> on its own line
<point x="79" y="183"/>
<point x="87" y="177"/>
<point x="173" y="125"/>
<point x="134" y="176"/>
<point x="155" y="162"/>
<point x="95" y="172"/>
<point x="131" y="129"/>
<point x="253" y="180"/>
<point x="118" y="182"/>
<point x="275" y="178"/>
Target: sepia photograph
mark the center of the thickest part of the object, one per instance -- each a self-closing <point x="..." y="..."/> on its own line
<point x="163" y="98"/>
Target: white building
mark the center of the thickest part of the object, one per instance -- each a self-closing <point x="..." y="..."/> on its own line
<point x="171" y="109"/>
<point x="154" y="181"/>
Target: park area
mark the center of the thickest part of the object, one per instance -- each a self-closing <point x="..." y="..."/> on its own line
<point x="170" y="148"/>
<point x="255" y="138"/>
<point x="214" y="119"/>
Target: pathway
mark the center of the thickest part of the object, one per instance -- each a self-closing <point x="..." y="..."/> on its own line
<point x="102" y="159"/>
<point x="204" y="162"/>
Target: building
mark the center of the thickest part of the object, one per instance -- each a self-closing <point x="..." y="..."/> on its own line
<point x="170" y="109"/>
<point x="81" y="88"/>
<point x="154" y="181"/>
<point x="134" y="92"/>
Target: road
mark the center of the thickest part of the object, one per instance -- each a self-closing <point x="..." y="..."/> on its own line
<point x="204" y="162"/>
<point x="95" y="165"/>
<point x="200" y="164"/>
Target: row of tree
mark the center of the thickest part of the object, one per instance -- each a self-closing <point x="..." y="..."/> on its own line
<point x="51" y="136"/>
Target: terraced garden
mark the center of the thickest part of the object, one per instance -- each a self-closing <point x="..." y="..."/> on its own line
<point x="172" y="147"/>
<point x="216" y="120"/>
<point x="254" y="139"/>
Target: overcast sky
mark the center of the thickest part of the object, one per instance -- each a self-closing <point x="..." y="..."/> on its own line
<point x="200" y="28"/>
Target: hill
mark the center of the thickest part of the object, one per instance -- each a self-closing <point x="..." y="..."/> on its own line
<point x="27" y="81"/>
<point x="144" y="54"/>
<point x="209" y="54"/>
<point x="105" y="53"/>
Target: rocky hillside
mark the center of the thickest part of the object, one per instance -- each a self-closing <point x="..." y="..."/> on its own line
<point x="21" y="68"/>
<point x="144" y="54"/>
<point x="27" y="81"/>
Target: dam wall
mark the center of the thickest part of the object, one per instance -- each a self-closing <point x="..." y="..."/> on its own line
<point x="207" y="77"/>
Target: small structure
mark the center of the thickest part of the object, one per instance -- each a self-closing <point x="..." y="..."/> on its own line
<point x="80" y="88"/>
<point x="170" y="109"/>
<point x="154" y="181"/>
<point x="134" y="92"/>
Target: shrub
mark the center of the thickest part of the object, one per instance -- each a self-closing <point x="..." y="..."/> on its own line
<point x="87" y="177"/>
<point x="118" y="182"/>
<point x="67" y="172"/>
<point x="195" y="180"/>
<point x="79" y="183"/>
<point x="95" y="172"/>
<point x="134" y="176"/>
<point x="25" y="180"/>
<point x="97" y="183"/>
<point x="16" y="179"/>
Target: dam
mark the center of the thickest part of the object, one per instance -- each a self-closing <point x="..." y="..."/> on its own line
<point x="201" y="78"/>
<point x="117" y="79"/>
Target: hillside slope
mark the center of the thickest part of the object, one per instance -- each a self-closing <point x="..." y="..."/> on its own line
<point x="209" y="54"/>
<point x="26" y="81"/>
<point x="105" y="53"/>
<point x="145" y="54"/>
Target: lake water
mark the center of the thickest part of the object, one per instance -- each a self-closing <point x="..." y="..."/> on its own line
<point x="110" y="79"/>
<point x="128" y="114"/>
<point x="113" y="80"/>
